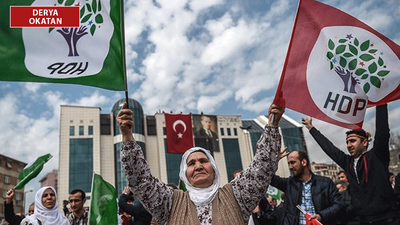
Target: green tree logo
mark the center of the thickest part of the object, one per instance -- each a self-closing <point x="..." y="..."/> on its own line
<point x="356" y="62"/>
<point x="90" y="17"/>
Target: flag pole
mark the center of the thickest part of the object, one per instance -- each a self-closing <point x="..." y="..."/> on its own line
<point x="91" y="194"/>
<point x="124" y="51"/>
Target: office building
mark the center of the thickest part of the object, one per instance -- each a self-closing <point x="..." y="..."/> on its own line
<point x="50" y="179"/>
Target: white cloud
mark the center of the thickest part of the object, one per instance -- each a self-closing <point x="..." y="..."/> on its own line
<point x="208" y="104"/>
<point x="260" y="106"/>
<point x="32" y="87"/>
<point x="198" y="5"/>
<point x="229" y="43"/>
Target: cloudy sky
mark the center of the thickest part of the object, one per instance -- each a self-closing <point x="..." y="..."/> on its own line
<point x="215" y="56"/>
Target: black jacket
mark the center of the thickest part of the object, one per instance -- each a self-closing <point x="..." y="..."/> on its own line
<point x="325" y="196"/>
<point x="267" y="214"/>
<point x="10" y="216"/>
<point x="350" y="217"/>
<point x="372" y="195"/>
<point x="397" y="188"/>
<point x="141" y="216"/>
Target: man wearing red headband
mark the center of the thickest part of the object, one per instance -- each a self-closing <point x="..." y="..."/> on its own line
<point x="367" y="171"/>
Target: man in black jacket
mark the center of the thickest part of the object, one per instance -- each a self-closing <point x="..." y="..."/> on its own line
<point x="317" y="195"/>
<point x="397" y="187"/>
<point x="367" y="171"/>
<point x="349" y="217"/>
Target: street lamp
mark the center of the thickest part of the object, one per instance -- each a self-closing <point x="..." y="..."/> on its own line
<point x="23" y="202"/>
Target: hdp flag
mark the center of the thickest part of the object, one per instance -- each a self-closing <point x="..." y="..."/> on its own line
<point x="91" y="54"/>
<point x="274" y="192"/>
<point x="179" y="132"/>
<point x="337" y="66"/>
<point x="32" y="170"/>
<point x="103" y="205"/>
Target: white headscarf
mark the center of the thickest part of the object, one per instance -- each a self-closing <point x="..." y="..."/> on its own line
<point x="46" y="216"/>
<point x="200" y="196"/>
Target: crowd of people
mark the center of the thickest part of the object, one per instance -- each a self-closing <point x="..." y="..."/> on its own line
<point x="365" y="192"/>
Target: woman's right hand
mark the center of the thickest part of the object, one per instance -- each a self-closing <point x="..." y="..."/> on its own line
<point x="10" y="195"/>
<point x="125" y="121"/>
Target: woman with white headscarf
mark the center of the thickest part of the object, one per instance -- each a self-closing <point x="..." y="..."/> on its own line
<point x="205" y="202"/>
<point x="46" y="209"/>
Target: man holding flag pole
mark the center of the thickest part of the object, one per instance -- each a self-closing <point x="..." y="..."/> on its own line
<point x="367" y="171"/>
<point x="336" y="67"/>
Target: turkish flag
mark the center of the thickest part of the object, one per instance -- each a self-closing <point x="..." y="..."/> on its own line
<point x="337" y="66"/>
<point x="179" y="132"/>
<point x="311" y="222"/>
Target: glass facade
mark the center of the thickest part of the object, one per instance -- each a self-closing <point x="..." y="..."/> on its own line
<point x="233" y="160"/>
<point x="80" y="164"/>
<point x="173" y="161"/>
<point x="138" y="118"/>
<point x="292" y="135"/>
<point x="120" y="178"/>
<point x="292" y="139"/>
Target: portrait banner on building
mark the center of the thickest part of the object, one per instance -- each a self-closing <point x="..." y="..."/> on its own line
<point x="337" y="66"/>
<point x="205" y="129"/>
<point x="91" y="54"/>
<point x="32" y="170"/>
<point x="103" y="205"/>
<point x="179" y="132"/>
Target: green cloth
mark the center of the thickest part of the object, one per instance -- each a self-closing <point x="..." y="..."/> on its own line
<point x="103" y="206"/>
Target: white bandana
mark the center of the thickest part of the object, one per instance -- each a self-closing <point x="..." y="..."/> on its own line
<point x="200" y="196"/>
<point x="46" y="216"/>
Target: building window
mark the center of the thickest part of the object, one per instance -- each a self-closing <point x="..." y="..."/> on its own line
<point x="151" y="125"/>
<point x="105" y="124"/>
<point x="173" y="162"/>
<point x="90" y="131"/>
<point x="18" y="196"/>
<point x="4" y="194"/>
<point x="222" y="131"/>
<point x="6" y="179"/>
<point x="9" y="165"/>
<point x="81" y="128"/>
<point x="233" y="159"/>
<point x="228" y="130"/>
<point x="235" y="131"/>
<point x="71" y="130"/>
<point x="80" y="164"/>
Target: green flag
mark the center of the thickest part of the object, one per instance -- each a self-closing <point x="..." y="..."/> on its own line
<point x="32" y="170"/>
<point x="91" y="54"/>
<point x="274" y="192"/>
<point x="103" y="206"/>
<point x="182" y="185"/>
